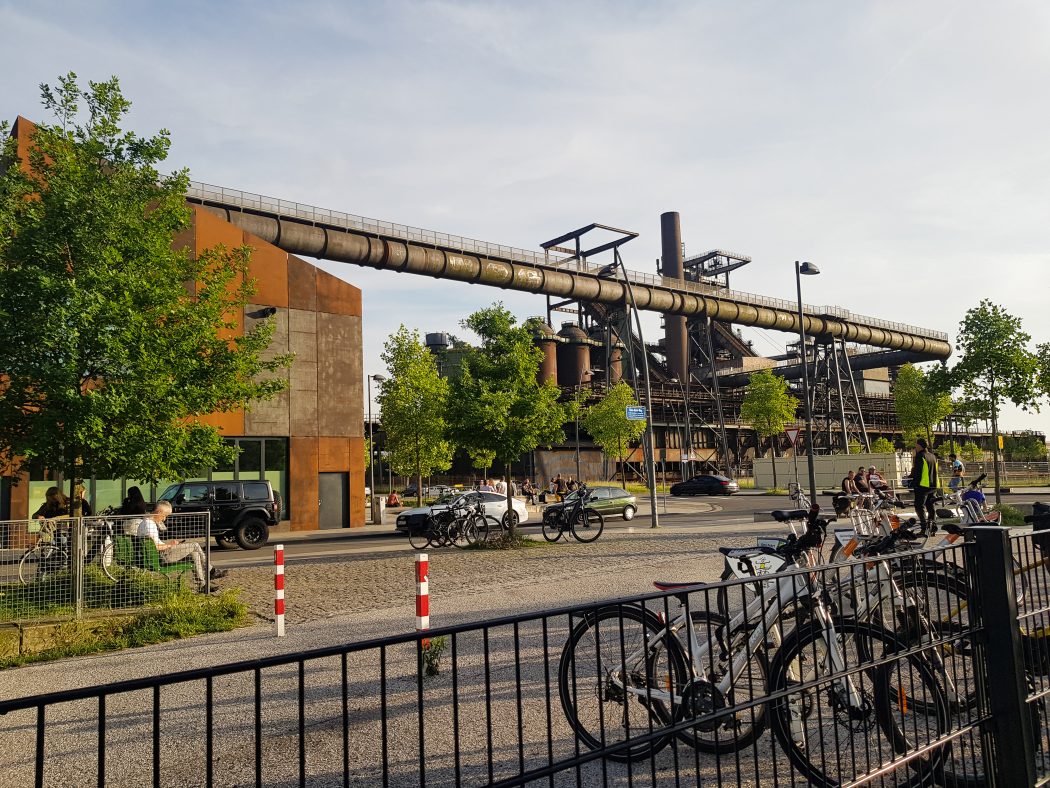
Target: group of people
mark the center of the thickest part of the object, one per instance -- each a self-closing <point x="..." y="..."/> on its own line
<point x="141" y="523"/>
<point x="498" y="486"/>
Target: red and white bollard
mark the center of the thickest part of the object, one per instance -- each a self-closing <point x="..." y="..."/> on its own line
<point x="422" y="595"/>
<point x="278" y="589"/>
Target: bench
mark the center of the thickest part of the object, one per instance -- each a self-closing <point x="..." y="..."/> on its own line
<point x="139" y="552"/>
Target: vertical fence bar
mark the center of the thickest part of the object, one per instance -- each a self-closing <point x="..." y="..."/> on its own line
<point x="1003" y="667"/>
<point x="76" y="558"/>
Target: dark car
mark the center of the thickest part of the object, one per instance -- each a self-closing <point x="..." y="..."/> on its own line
<point x="606" y="500"/>
<point x="706" y="484"/>
<point x="242" y="513"/>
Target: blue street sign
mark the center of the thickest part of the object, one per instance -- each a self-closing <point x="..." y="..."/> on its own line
<point x="635" y="413"/>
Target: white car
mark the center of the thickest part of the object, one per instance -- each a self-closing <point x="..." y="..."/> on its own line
<point x="495" y="505"/>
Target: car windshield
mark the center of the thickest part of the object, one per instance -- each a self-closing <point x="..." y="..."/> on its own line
<point x="446" y="497"/>
<point x="170" y="492"/>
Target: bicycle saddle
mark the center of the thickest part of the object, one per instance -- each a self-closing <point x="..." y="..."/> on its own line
<point x="669" y="585"/>
<point x="782" y="516"/>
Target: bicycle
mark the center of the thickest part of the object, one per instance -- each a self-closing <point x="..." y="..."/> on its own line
<point x="641" y="666"/>
<point x="51" y="553"/>
<point x="462" y="524"/>
<point x="584" y="523"/>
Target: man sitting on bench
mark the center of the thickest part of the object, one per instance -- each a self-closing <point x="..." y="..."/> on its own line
<point x="174" y="550"/>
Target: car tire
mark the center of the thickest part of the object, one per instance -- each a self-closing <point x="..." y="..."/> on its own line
<point x="225" y="541"/>
<point x="510" y="519"/>
<point x="629" y="512"/>
<point x="251" y="533"/>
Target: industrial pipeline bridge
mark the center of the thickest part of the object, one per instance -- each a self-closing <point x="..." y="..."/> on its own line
<point x="332" y="235"/>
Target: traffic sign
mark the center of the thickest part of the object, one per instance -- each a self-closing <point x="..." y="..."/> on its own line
<point x="792" y="434"/>
<point x="635" y="413"/>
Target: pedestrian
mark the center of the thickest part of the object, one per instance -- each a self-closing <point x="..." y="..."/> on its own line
<point x="861" y="481"/>
<point x="393" y="500"/>
<point x="958" y="472"/>
<point x="485" y="486"/>
<point x="560" y="486"/>
<point x="501" y="487"/>
<point x="175" y="550"/>
<point x="924" y="482"/>
<point x="133" y="503"/>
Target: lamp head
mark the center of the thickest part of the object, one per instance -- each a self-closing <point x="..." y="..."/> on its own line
<point x="808" y="269"/>
<point x="378" y="378"/>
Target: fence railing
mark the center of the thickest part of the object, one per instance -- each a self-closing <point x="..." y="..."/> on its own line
<point x="76" y="567"/>
<point x="907" y="670"/>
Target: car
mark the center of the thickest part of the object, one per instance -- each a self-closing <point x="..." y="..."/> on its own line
<point x="495" y="505"/>
<point x="706" y="484"/>
<point x="605" y="500"/>
<point x="242" y="512"/>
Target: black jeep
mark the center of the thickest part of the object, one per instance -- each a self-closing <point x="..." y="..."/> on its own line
<point x="242" y="513"/>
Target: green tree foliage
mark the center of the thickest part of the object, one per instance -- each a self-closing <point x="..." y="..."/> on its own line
<point x="496" y="403"/>
<point x="920" y="403"/>
<point x="481" y="459"/>
<point x="971" y="452"/>
<point x="882" y="446"/>
<point x="768" y="408"/>
<point x="607" y="424"/>
<point x="413" y="400"/>
<point x="995" y="365"/>
<point x="1043" y="378"/>
<point x="109" y="359"/>
<point x="1024" y="448"/>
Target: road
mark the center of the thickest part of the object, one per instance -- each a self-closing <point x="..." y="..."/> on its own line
<point x="735" y="514"/>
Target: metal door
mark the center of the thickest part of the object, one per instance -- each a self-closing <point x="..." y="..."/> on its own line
<point x="333" y="500"/>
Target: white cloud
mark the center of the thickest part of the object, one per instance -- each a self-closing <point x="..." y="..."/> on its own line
<point x="900" y="145"/>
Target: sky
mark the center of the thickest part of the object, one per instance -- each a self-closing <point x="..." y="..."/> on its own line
<point x="900" y="146"/>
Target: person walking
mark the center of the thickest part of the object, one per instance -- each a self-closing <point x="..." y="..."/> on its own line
<point x="958" y="472"/>
<point x="924" y="482"/>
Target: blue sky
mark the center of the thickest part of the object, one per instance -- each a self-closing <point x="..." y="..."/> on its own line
<point x="901" y="146"/>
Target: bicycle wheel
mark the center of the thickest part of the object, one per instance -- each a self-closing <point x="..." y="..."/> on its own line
<point x="836" y="726"/>
<point x="552" y="528"/>
<point x="587" y="525"/>
<point x="704" y="698"/>
<point x="613" y="679"/>
<point x="419" y="536"/>
<point x="463" y="532"/>
<point x="40" y="562"/>
<point x="106" y="560"/>
<point x="489" y="528"/>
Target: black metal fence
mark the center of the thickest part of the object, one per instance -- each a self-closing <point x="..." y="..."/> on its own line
<point x="925" y="668"/>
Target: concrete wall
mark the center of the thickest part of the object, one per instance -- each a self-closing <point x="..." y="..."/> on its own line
<point x="829" y="469"/>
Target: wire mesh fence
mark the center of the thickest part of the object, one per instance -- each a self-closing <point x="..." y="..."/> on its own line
<point x="69" y="568"/>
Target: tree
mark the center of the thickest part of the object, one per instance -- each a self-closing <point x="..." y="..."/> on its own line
<point x="768" y="407"/>
<point x="496" y="403"/>
<point x="1043" y="379"/>
<point x="413" y="400"/>
<point x="481" y="459"/>
<point x="971" y="452"/>
<point x="607" y="424"/>
<point x="882" y="446"/>
<point x="919" y="403"/>
<point x="995" y="364"/>
<point x="1024" y="448"/>
<point x="110" y="360"/>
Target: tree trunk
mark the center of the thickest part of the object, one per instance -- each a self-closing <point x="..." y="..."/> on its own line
<point x="773" y="459"/>
<point x="511" y="520"/>
<point x="995" y="442"/>
<point x="419" y="486"/>
<point x="623" y="465"/>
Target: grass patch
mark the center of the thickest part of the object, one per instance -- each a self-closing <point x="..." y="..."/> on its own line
<point x="181" y="615"/>
<point x="1011" y="517"/>
<point x="508" y="542"/>
<point x="775" y="491"/>
<point x="53" y="596"/>
<point x="747" y="483"/>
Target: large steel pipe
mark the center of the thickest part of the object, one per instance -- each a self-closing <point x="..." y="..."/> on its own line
<point x="880" y="360"/>
<point x="376" y="251"/>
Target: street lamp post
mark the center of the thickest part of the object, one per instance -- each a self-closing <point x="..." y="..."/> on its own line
<point x="806" y="269"/>
<point x="371" y="447"/>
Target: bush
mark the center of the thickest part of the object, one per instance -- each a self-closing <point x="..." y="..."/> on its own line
<point x="1011" y="517"/>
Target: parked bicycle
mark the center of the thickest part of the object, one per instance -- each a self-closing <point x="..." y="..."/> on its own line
<point x="462" y="523"/>
<point x="51" y="553"/>
<point x="629" y="679"/>
<point x="583" y="522"/>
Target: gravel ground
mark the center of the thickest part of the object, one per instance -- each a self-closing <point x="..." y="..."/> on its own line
<point x="386" y="707"/>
